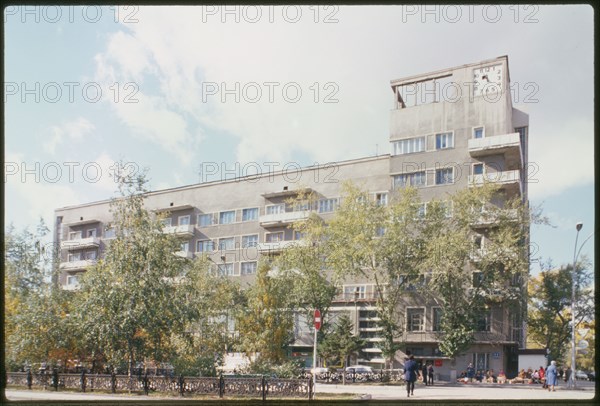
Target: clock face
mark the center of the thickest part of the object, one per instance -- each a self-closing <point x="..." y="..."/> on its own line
<point x="488" y="79"/>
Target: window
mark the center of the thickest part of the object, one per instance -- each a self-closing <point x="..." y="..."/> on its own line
<point x="274" y="237"/>
<point x="249" y="240"/>
<point x="481" y="361"/>
<point x="352" y="292"/>
<point x="421" y="210"/>
<point x="248" y="268"/>
<point x="409" y="146"/>
<point x="478" y="132"/>
<point x="380" y="231"/>
<point x="225" y="269"/>
<point x="415" y="319"/>
<point x="90" y="255"/>
<point x="444" y="141"/>
<point x="75" y="256"/>
<point x="110" y="232"/>
<point x="184" y="220"/>
<point x="447" y="206"/>
<point x="205" y="220"/>
<point x="227" y="243"/>
<point x="381" y="199"/>
<point x="328" y="205"/>
<point x="437" y="319"/>
<point x="185" y="246"/>
<point x="227" y="217"/>
<point x="205" y="246"/>
<point x="444" y="176"/>
<point x="275" y="208"/>
<point x="166" y="222"/>
<point x="477" y="279"/>
<point x="73" y="280"/>
<point x="250" y="214"/>
<point x="483" y="322"/>
<point x="299" y="235"/>
<point x="477" y="169"/>
<point x="91" y="233"/>
<point x="75" y="235"/>
<point x="410" y="179"/>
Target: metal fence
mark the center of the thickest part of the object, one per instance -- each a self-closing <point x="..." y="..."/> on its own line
<point x="337" y="376"/>
<point x="253" y="387"/>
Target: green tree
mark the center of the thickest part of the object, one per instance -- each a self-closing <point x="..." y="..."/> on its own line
<point x="341" y="342"/>
<point x="265" y="324"/>
<point x="130" y="303"/>
<point x="549" y="316"/>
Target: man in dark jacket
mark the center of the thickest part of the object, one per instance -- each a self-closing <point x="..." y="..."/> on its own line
<point x="424" y="373"/>
<point x="411" y="370"/>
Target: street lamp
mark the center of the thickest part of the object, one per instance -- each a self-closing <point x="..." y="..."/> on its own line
<point x="573" y="277"/>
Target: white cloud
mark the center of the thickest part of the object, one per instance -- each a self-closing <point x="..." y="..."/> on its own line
<point x="69" y="131"/>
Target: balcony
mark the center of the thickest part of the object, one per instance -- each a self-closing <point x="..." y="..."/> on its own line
<point x="281" y="219"/>
<point x="488" y="219"/>
<point x="504" y="178"/>
<point x="79" y="243"/>
<point x="77" y="265"/>
<point x="273" y="247"/>
<point x="185" y="254"/>
<point x="509" y="144"/>
<point x="185" y="231"/>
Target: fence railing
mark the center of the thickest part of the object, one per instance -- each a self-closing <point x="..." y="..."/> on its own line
<point x="393" y="375"/>
<point x="256" y="387"/>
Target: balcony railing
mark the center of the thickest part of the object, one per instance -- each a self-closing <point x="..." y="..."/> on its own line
<point x="489" y="218"/>
<point x="502" y="178"/>
<point x="271" y="247"/>
<point x="186" y="231"/>
<point x="79" y="243"/>
<point x="80" y="264"/>
<point x="279" y="219"/>
<point x="185" y="254"/>
<point x="495" y="145"/>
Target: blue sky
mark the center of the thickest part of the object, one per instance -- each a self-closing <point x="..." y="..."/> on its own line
<point x="162" y="73"/>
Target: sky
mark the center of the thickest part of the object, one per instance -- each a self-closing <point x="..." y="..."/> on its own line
<point x="177" y="90"/>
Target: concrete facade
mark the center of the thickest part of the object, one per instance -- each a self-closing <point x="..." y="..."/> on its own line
<point x="447" y="132"/>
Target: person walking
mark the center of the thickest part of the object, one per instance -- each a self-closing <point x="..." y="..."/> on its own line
<point x="551" y="376"/>
<point x="568" y="373"/>
<point x="470" y="372"/>
<point x="411" y="371"/>
<point x="424" y="373"/>
<point x="430" y="374"/>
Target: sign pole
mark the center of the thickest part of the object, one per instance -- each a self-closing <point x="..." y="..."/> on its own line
<point x="317" y="322"/>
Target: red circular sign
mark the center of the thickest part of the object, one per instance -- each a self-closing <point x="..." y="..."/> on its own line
<point x="317" y="320"/>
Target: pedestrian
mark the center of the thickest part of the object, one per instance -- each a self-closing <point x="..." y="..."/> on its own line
<point x="542" y="373"/>
<point x="430" y="374"/>
<point x="568" y="374"/>
<point x="470" y="372"/>
<point x="551" y="376"/>
<point x="410" y="375"/>
<point x="424" y="373"/>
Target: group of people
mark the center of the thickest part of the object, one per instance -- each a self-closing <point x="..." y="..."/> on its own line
<point x="470" y="375"/>
<point x="411" y="373"/>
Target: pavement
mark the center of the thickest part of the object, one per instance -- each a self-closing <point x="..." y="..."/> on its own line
<point x="449" y="392"/>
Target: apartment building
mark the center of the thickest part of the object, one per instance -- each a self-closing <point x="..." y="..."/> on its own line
<point x="450" y="129"/>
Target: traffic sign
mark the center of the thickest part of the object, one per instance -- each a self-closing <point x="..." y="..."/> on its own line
<point x="317" y="320"/>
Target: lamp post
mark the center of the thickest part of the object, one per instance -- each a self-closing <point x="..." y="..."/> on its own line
<point x="573" y="278"/>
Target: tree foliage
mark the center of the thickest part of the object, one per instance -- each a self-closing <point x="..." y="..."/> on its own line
<point x="341" y="342"/>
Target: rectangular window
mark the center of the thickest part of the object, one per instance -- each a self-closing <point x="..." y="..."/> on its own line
<point x="415" y="179"/>
<point x="274" y="237"/>
<point x="248" y="268"/>
<point x="381" y="199"/>
<point x="250" y="214"/>
<point x="421" y="211"/>
<point x="437" y="319"/>
<point x="299" y="235"/>
<point x="478" y="132"/>
<point x="205" y="246"/>
<point x="73" y="280"/>
<point x="225" y="269"/>
<point x="353" y="292"/>
<point x="477" y="169"/>
<point x="227" y="243"/>
<point x="477" y="279"/>
<point x="444" y="140"/>
<point x="249" y="240"/>
<point x="91" y="233"/>
<point x="110" y="232"/>
<point x="75" y="256"/>
<point x="444" y="176"/>
<point x="184" y="220"/>
<point x="90" y="255"/>
<point x="328" y="205"/>
<point x="415" y="319"/>
<point x="166" y="222"/>
<point x="205" y="220"/>
<point x="227" y="217"/>
<point x="481" y="361"/>
<point x="380" y="231"/>
<point x="409" y="146"/>
<point x="75" y="235"/>
<point x="185" y="246"/>
<point x="484" y="322"/>
<point x="275" y="208"/>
